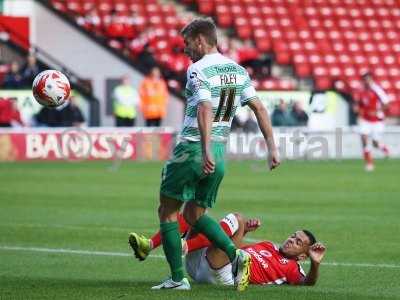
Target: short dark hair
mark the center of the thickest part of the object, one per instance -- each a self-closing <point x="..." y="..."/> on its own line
<point x="203" y="26"/>
<point x="310" y="236"/>
<point x="366" y="75"/>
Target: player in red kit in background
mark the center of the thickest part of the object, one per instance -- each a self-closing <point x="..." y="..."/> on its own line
<point x="371" y="104"/>
<point x="270" y="263"/>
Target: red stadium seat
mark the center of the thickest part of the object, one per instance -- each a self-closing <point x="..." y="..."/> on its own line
<point x="320" y="70"/>
<point x="263" y="44"/>
<point x="168" y="10"/>
<point x="324" y="39"/>
<point x="302" y="70"/>
<point x="105" y="7"/>
<point x="323" y="83"/>
<point x="206" y="7"/>
<point x="137" y="8"/>
<point x="122" y="7"/>
<point x="87" y="6"/>
<point x="283" y="58"/>
<point x="244" y="32"/>
<point x="75" y="7"/>
<point x="59" y="5"/>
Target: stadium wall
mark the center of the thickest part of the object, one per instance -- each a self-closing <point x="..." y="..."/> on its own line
<point x="300" y="143"/>
<point x="156" y="144"/>
<point x="82" y="55"/>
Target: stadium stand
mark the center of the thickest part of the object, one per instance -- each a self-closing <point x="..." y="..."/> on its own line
<point x="4" y="69"/>
<point x="12" y="40"/>
<point x="148" y="32"/>
<point x="331" y="42"/>
<point x="327" y="40"/>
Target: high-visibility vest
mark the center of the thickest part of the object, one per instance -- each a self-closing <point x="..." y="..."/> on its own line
<point x="125" y="100"/>
<point x="154" y="97"/>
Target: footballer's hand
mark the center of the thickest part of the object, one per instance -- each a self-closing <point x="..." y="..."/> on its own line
<point x="273" y="160"/>
<point x="251" y="225"/>
<point x="208" y="163"/>
<point x="317" y="252"/>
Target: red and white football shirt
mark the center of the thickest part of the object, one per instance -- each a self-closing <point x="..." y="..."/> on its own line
<point x="371" y="100"/>
<point x="269" y="266"/>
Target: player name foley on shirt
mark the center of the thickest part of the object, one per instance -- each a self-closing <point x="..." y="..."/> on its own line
<point x="228" y="79"/>
<point x="222" y="82"/>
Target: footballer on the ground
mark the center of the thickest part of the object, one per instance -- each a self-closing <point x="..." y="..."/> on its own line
<point x="270" y="264"/>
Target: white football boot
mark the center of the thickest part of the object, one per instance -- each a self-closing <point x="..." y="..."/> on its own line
<point x="369" y="167"/>
<point x="172" y="285"/>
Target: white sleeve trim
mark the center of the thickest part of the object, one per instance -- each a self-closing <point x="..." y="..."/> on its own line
<point x="232" y="223"/>
<point x="383" y="97"/>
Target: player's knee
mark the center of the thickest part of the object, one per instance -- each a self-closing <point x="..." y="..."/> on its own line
<point x="186" y="215"/>
<point x="190" y="216"/>
<point x="192" y="212"/>
<point x="167" y="214"/>
<point x="161" y="212"/>
<point x="364" y="140"/>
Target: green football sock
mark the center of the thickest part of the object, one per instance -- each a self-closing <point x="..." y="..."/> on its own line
<point x="172" y="246"/>
<point x="213" y="231"/>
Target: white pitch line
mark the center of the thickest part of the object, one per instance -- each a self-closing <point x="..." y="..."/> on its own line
<point x="67" y="251"/>
<point x="71" y="251"/>
<point x="68" y="227"/>
<point x="104" y="253"/>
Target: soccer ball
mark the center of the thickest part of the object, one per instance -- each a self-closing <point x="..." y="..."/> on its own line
<point x="51" y="88"/>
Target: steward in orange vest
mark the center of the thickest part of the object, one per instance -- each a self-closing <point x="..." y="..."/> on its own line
<point x="154" y="98"/>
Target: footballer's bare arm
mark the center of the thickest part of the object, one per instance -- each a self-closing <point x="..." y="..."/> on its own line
<point x="316" y="254"/>
<point x="264" y="123"/>
<point x="204" y="119"/>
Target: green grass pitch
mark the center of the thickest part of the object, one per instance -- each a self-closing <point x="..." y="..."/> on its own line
<point x="46" y="207"/>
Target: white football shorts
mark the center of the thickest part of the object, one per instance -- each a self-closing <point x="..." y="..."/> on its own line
<point x="199" y="270"/>
<point x="371" y="129"/>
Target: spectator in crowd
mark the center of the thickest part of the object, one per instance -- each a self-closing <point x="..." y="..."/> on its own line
<point x="125" y="102"/>
<point x="281" y="115"/>
<point x="14" y="78"/>
<point x="146" y="58"/>
<point x="249" y="57"/>
<point x="299" y="115"/>
<point x="30" y="70"/>
<point x="134" y="24"/>
<point x="239" y="119"/>
<point x="91" y="22"/>
<point x="9" y="114"/>
<point x="114" y="26"/>
<point x="66" y="115"/>
<point x="250" y="125"/>
<point x="343" y="88"/>
<point x="244" y="121"/>
<point x="230" y="48"/>
<point x="154" y="97"/>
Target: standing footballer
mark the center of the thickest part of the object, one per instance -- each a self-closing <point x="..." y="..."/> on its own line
<point x="373" y="100"/>
<point x="216" y="85"/>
